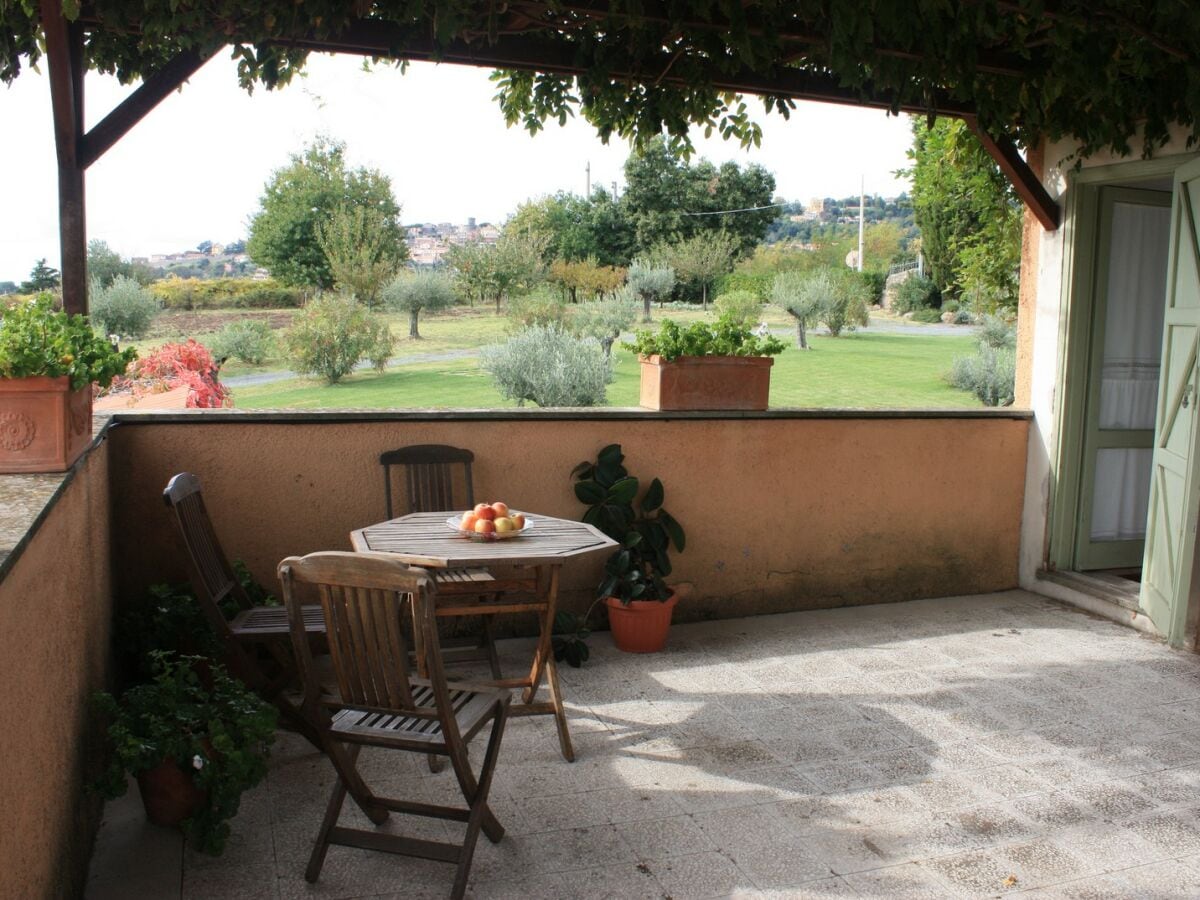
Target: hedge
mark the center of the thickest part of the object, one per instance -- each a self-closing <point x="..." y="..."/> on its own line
<point x="225" y="293"/>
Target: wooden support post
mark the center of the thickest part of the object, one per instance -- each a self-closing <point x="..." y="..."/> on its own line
<point x="64" y="55"/>
<point x="1027" y="184"/>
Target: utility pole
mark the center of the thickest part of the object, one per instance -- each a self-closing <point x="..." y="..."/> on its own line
<point x="614" y="187"/>
<point x="862" y="210"/>
<point x="588" y="169"/>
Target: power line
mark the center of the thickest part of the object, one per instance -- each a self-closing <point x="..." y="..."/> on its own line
<point x="722" y="212"/>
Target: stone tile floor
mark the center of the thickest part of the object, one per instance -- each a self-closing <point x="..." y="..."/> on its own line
<point x="973" y="746"/>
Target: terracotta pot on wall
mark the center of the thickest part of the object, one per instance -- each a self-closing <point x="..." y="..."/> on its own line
<point x="169" y="794"/>
<point x="640" y="626"/>
<point x="44" y="425"/>
<point x="706" y="382"/>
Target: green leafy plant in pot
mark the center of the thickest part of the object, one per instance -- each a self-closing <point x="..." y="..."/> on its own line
<point x="195" y="742"/>
<point x="633" y="588"/>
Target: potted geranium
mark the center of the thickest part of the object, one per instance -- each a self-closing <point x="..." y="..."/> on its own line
<point x="194" y="738"/>
<point x="639" y="601"/>
<point x="48" y="363"/>
<point x="721" y="366"/>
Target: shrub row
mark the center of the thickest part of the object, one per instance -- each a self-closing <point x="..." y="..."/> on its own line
<point x="225" y="293"/>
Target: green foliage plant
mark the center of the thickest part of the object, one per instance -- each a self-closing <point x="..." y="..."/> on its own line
<point x="989" y="373"/>
<point x="701" y="259"/>
<point x="725" y="338"/>
<point x="1101" y="75"/>
<point x="651" y="282"/>
<point x="927" y="316"/>
<point x="363" y="250"/>
<point x="644" y="530"/>
<point x="846" y="307"/>
<point x="210" y="726"/>
<point x="541" y="306"/>
<point x="803" y="295"/>
<point x="429" y="292"/>
<point x="250" y="340"/>
<point x="606" y="318"/>
<point x="300" y="198"/>
<point x="549" y="366"/>
<point x="382" y="345"/>
<point x="123" y="307"/>
<point x="225" y="293"/>
<point x="41" y="278"/>
<point x="330" y="336"/>
<point x="743" y="307"/>
<point x="968" y="214"/>
<point x="916" y="292"/>
<point x="37" y="338"/>
<point x="997" y="333"/>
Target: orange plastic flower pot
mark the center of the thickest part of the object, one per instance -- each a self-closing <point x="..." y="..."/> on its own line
<point x="640" y="626"/>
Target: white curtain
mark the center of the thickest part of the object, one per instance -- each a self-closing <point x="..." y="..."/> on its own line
<point x="1137" y="273"/>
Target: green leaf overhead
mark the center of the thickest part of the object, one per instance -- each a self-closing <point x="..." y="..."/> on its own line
<point x="1094" y="70"/>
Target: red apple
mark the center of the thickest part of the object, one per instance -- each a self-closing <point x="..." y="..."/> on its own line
<point x="485" y="526"/>
<point x="485" y="512"/>
<point x="518" y="520"/>
<point x="500" y="509"/>
<point x="468" y="521"/>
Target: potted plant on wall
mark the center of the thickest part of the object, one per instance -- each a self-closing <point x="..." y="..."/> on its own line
<point x="195" y="740"/>
<point x="48" y="363"/>
<point x="639" y="601"/>
<point x="721" y="366"/>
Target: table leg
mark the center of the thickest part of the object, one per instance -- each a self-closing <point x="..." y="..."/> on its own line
<point x="560" y="713"/>
<point x="544" y="648"/>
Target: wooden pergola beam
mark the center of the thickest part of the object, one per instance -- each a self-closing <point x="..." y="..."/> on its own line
<point x="64" y="56"/>
<point x="134" y="108"/>
<point x="1026" y="183"/>
<point x="368" y="37"/>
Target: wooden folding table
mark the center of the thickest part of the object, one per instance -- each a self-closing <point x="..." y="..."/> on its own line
<point x="425" y="540"/>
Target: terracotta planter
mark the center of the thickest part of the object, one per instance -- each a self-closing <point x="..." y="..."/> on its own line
<point x="169" y="794"/>
<point x="706" y="382"/>
<point x="44" y="425"/>
<point x="640" y="626"/>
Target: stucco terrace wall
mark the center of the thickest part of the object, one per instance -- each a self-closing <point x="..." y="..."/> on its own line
<point x="783" y="511"/>
<point x="55" y="610"/>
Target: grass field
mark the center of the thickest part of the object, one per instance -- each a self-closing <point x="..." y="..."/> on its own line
<point x="862" y="370"/>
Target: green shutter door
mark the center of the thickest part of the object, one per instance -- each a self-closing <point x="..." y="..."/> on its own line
<point x="1175" y="485"/>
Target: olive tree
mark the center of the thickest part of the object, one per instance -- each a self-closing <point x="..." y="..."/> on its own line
<point x="606" y="318"/>
<point x="803" y="295"/>
<point x="651" y="282"/>
<point x="423" y="291"/>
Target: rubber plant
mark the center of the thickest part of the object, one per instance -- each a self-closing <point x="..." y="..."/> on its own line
<point x="645" y="531"/>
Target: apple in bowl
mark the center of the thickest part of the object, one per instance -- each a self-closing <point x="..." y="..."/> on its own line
<point x="490" y="521"/>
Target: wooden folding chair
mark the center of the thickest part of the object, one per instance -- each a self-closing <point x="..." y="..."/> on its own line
<point x="381" y="705"/>
<point x="430" y="474"/>
<point x="253" y="628"/>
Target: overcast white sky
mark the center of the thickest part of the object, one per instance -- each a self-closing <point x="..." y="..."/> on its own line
<point x="194" y="168"/>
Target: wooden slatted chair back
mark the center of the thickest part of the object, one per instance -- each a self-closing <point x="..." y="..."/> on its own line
<point x="364" y="597"/>
<point x="428" y="477"/>
<point x="213" y="579"/>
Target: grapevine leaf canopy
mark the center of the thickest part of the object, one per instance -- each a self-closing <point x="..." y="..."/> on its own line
<point x="1092" y="70"/>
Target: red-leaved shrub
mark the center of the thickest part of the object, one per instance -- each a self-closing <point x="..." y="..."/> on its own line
<point x="173" y="365"/>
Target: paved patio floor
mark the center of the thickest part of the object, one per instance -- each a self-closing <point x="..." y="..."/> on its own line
<point x="961" y="747"/>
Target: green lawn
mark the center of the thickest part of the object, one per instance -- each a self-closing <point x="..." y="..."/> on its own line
<point x="861" y="370"/>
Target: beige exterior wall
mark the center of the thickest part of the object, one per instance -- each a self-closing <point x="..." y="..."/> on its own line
<point x="780" y="513"/>
<point x="55" y="611"/>
<point x="1042" y="331"/>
